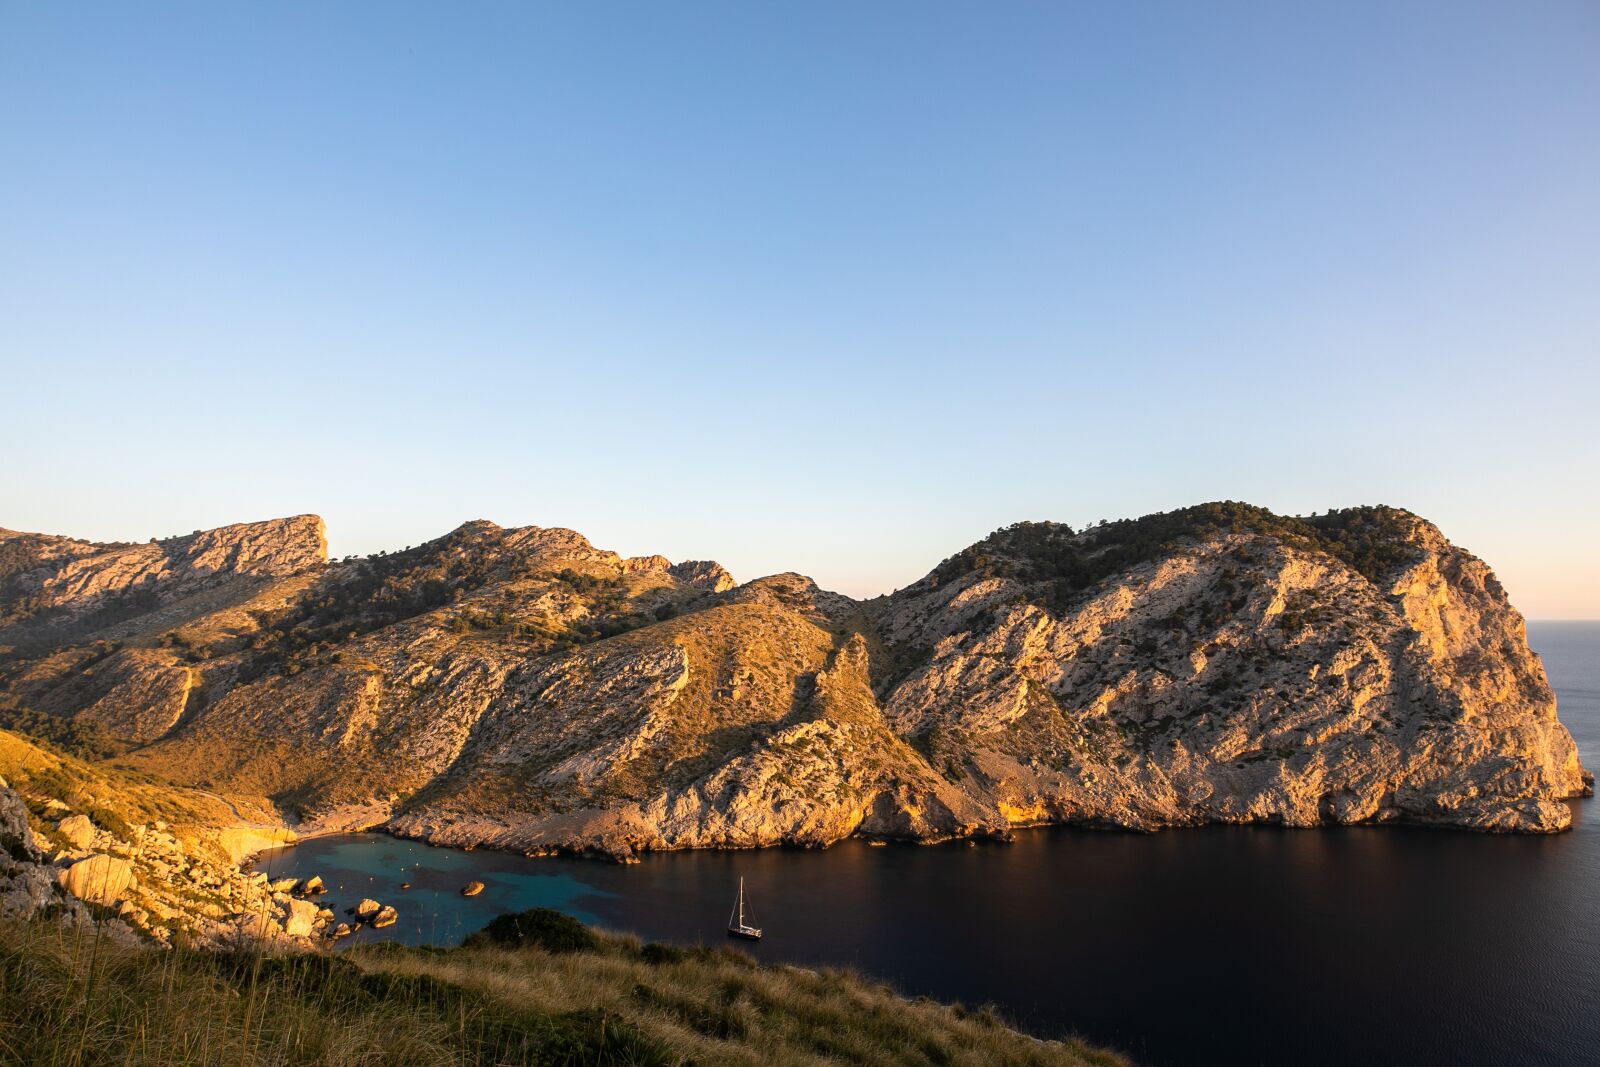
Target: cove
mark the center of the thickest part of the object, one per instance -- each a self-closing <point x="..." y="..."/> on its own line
<point x="1217" y="945"/>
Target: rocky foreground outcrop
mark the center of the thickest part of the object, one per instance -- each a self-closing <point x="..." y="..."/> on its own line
<point x="100" y="858"/>
<point x="524" y="689"/>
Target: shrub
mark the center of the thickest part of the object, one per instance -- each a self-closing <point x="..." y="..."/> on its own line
<point x="1374" y="541"/>
<point x="545" y="927"/>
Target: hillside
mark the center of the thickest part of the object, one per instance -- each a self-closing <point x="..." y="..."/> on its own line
<point x="100" y="866"/>
<point x="523" y="689"/>
<point x="145" y="860"/>
<point x="592" y="1001"/>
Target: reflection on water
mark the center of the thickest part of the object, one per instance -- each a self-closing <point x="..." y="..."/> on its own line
<point x="1219" y="945"/>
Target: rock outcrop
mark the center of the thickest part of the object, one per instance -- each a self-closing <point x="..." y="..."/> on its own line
<point x="55" y="589"/>
<point x="523" y="689"/>
<point x="1252" y="675"/>
<point x="704" y="574"/>
<point x="27" y="887"/>
<point x="16" y="836"/>
<point x="145" y="880"/>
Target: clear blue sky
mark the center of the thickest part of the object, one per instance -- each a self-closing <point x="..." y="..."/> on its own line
<point x="836" y="288"/>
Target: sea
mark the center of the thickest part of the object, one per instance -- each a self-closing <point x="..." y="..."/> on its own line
<point x="1222" y="945"/>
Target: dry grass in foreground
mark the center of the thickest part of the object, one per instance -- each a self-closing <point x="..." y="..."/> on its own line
<point x="543" y="995"/>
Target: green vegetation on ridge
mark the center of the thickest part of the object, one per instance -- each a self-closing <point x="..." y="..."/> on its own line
<point x="1372" y="540"/>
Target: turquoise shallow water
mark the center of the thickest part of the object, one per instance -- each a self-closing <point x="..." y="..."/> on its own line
<point x="433" y="911"/>
<point x="1219" y="945"/>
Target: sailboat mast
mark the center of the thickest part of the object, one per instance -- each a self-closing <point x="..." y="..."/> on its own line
<point x="737" y="926"/>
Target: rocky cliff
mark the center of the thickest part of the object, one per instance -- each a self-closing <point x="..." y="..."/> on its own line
<point x="524" y="689"/>
<point x="56" y="589"/>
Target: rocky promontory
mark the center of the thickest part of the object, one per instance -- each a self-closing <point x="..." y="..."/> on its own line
<point x="523" y="689"/>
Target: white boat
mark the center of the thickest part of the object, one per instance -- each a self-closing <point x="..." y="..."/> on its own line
<point x="737" y="927"/>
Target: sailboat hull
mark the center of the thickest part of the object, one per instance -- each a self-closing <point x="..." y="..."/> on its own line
<point x="749" y="933"/>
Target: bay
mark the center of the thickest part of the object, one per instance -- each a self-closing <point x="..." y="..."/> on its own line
<point x="1209" y="946"/>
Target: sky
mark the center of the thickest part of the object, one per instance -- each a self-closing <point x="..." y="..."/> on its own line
<point x="835" y="288"/>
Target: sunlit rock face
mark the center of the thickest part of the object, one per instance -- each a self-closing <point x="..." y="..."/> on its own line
<point x="56" y="592"/>
<point x="1246" y="675"/>
<point x="523" y="689"/>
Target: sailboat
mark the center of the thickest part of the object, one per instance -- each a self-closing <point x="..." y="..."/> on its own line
<point x="737" y="927"/>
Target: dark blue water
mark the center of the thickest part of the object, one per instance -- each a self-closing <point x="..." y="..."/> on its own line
<point x="1223" y="945"/>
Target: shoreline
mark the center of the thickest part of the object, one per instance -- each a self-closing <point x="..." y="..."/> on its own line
<point x="1010" y="837"/>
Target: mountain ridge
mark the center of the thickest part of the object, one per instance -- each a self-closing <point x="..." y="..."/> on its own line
<point x="521" y="688"/>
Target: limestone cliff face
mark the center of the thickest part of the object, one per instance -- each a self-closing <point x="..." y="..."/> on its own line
<point x="703" y="573"/>
<point x="64" y="589"/>
<point x="524" y="689"/>
<point x="1241" y="678"/>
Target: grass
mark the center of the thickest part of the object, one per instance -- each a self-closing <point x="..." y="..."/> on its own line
<point x="71" y="999"/>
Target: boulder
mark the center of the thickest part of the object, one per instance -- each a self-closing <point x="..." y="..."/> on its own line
<point x="301" y="917"/>
<point x="98" y="879"/>
<point x="367" y="908"/>
<point x="284" y="885"/>
<point x="312" y="885"/>
<point x="386" y="917"/>
<point x="259" y="926"/>
<point x="472" y="889"/>
<point x="78" y="830"/>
